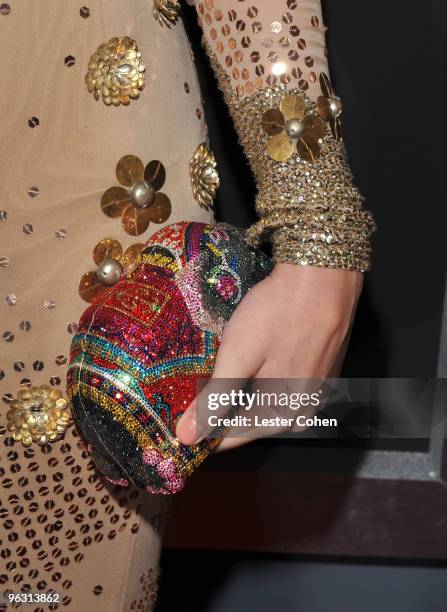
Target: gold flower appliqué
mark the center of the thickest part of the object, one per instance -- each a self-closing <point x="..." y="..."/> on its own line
<point x="39" y="414"/>
<point x="329" y="106"/>
<point x="139" y="201"/>
<point x="204" y="177"/>
<point x="293" y="129"/>
<point x="116" y="72"/>
<point x="166" y="12"/>
<point x="112" y="263"/>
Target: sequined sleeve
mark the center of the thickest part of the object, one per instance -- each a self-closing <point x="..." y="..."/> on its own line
<point x="271" y="65"/>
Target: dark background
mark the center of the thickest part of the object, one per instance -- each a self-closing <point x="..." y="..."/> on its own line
<point x="387" y="63"/>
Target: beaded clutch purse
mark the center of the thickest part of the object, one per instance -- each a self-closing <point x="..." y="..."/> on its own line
<point x="143" y="346"/>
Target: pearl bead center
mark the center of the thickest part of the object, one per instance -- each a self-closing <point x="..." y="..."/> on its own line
<point x="294" y="128"/>
<point x="142" y="194"/>
<point x="335" y="106"/>
<point x="109" y="272"/>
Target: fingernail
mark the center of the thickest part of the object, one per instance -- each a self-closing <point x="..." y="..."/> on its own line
<point x="187" y="431"/>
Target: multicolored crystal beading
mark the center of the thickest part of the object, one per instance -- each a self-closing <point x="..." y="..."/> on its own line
<point x="145" y="344"/>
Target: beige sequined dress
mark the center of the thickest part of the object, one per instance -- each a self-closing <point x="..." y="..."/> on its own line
<point x="90" y="167"/>
<point x="61" y="527"/>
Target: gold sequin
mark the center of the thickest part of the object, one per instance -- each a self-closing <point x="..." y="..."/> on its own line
<point x="273" y="121"/>
<point x="33" y="192"/>
<point x="114" y="201"/>
<point x="108" y="247"/>
<point x="292" y="106"/>
<point x="142" y="203"/>
<point x="155" y="174"/>
<point x="116" y="72"/>
<point x="39" y="414"/>
<point x="11" y="299"/>
<point x="280" y="147"/>
<point x="49" y="304"/>
<point x="204" y="176"/>
<point x="160" y="211"/>
<point x="89" y="287"/>
<point x="60" y="233"/>
<point x="308" y="149"/>
<point x="314" y="127"/>
<point x="112" y="263"/>
<point x="129" y="170"/>
<point x="136" y="221"/>
<point x="166" y="12"/>
<point x="129" y="259"/>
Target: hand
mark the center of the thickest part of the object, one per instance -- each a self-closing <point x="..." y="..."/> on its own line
<point x="293" y="324"/>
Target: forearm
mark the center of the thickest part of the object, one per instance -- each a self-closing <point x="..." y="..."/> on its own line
<point x="272" y="68"/>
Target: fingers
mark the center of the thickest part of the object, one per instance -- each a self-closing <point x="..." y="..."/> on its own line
<point x="238" y="358"/>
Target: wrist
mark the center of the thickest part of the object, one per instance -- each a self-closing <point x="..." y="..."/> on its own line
<point x="332" y="292"/>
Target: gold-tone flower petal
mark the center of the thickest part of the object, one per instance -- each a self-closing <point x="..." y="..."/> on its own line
<point x="280" y="147"/>
<point x="325" y="84"/>
<point x="114" y="201"/>
<point x="107" y="248"/>
<point x="166" y="11"/>
<point x="335" y="125"/>
<point x="323" y="108"/>
<point x="308" y="149"/>
<point x="131" y="257"/>
<point x="90" y="287"/>
<point x="313" y="127"/>
<point x="273" y="121"/>
<point x="293" y="107"/>
<point x="136" y="220"/>
<point x="43" y="390"/>
<point x="160" y="209"/>
<point x="155" y="174"/>
<point x="129" y="170"/>
<point x="24" y="394"/>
